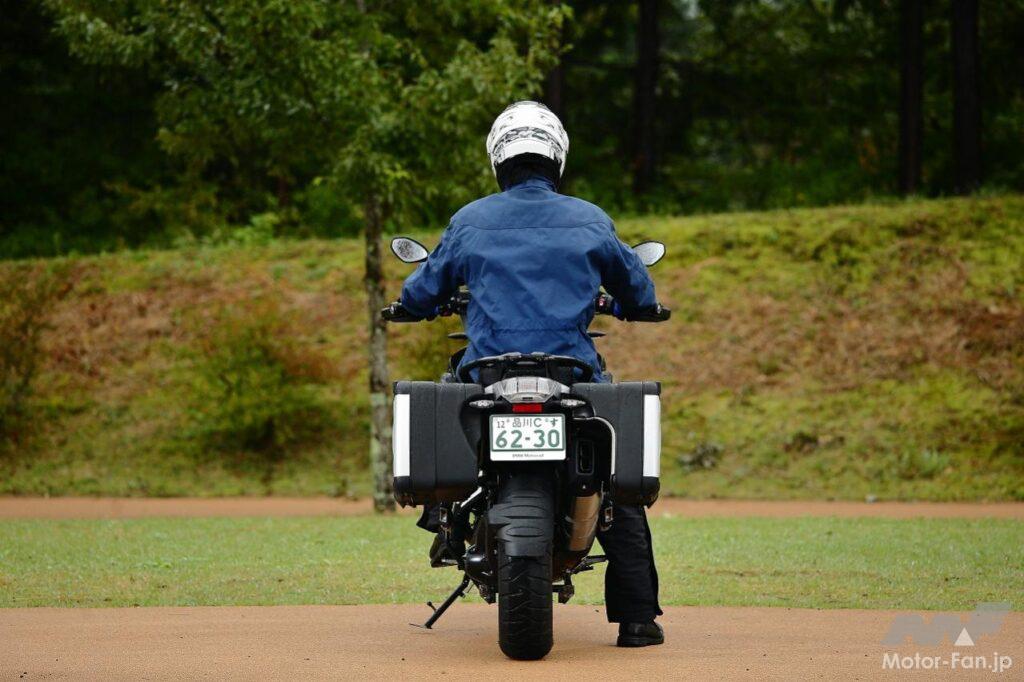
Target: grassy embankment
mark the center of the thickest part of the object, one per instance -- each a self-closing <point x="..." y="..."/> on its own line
<point x="940" y="564"/>
<point x="843" y="352"/>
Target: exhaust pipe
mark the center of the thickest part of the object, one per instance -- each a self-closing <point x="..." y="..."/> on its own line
<point x="585" y="511"/>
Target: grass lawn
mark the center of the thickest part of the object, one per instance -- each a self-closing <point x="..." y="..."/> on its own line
<point x="806" y="562"/>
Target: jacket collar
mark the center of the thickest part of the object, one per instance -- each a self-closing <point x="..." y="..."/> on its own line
<point x="536" y="182"/>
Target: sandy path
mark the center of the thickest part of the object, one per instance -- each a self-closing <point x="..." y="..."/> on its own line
<point x="124" y="508"/>
<point x="359" y="642"/>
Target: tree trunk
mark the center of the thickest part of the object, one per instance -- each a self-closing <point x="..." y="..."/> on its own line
<point x="380" y="421"/>
<point x="966" y="97"/>
<point x="911" y="95"/>
<point x="645" y="85"/>
<point x="554" y="86"/>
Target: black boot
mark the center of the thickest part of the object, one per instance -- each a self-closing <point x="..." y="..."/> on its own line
<point x="640" y="634"/>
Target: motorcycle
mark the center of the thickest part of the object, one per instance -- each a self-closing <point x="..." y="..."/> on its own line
<point x="518" y="459"/>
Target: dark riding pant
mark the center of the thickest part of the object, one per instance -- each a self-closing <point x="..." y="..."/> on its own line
<point x="631" y="580"/>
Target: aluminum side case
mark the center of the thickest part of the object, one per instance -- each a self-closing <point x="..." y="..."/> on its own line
<point x="435" y="440"/>
<point x="633" y="409"/>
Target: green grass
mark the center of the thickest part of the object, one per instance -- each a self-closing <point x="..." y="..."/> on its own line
<point x="844" y="352"/>
<point x="806" y="562"/>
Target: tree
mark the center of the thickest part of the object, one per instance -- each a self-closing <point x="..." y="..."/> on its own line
<point x="554" y="85"/>
<point x="911" y="95"/>
<point x="966" y="97"/>
<point x="381" y="101"/>
<point x="645" y="86"/>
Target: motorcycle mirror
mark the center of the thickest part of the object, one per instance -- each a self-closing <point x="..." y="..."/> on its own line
<point x="650" y="252"/>
<point x="409" y="250"/>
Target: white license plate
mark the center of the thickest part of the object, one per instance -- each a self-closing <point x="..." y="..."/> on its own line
<point x="527" y="437"/>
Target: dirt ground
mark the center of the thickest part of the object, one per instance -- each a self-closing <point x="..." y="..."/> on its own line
<point x="376" y="642"/>
<point x="127" y="508"/>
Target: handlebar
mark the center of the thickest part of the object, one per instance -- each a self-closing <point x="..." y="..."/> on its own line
<point x="458" y="304"/>
<point x="396" y="312"/>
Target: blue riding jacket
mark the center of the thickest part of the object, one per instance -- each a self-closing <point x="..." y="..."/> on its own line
<point x="533" y="260"/>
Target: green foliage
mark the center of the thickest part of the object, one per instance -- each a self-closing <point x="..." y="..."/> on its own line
<point x="778" y="104"/>
<point x="922" y="464"/>
<point x="28" y="294"/>
<point x="377" y="101"/>
<point x="73" y="138"/>
<point x="136" y="123"/>
<point x="253" y="385"/>
<point x="259" y="232"/>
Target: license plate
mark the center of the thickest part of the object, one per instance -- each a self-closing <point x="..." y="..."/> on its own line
<point x="527" y="437"/>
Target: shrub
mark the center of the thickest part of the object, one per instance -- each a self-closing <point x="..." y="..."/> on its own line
<point x="28" y="294"/>
<point x="256" y="385"/>
<point x="705" y="456"/>
<point x="921" y="464"/>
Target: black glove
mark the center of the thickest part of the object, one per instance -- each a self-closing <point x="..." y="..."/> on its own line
<point x="396" y="312"/>
<point x="605" y="304"/>
<point x="654" y="313"/>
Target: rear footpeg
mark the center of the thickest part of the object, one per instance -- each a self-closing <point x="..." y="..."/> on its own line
<point x="588" y="563"/>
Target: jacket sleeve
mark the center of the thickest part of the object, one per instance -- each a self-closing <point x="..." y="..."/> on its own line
<point x="435" y="280"/>
<point x="624" y="276"/>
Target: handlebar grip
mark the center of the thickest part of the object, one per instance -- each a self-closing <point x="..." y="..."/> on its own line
<point x="654" y="313"/>
<point x="396" y="312"/>
<point x="605" y="304"/>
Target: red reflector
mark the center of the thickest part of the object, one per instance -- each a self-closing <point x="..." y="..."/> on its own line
<point x="528" y="407"/>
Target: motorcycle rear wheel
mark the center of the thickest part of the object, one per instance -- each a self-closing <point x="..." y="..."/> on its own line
<point x="524" y="606"/>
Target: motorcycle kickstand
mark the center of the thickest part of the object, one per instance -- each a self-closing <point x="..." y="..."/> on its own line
<point x="459" y="591"/>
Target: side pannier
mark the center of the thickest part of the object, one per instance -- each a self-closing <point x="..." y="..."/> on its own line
<point x="434" y="442"/>
<point x="633" y="410"/>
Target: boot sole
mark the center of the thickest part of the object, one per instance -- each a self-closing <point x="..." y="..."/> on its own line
<point x="639" y="641"/>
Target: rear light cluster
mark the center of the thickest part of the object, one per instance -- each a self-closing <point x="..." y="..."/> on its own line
<point x="528" y="408"/>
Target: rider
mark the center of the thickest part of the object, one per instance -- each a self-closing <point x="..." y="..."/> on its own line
<point x="534" y="261"/>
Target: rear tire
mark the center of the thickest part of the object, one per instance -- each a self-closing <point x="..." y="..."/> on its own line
<point x="524" y="606"/>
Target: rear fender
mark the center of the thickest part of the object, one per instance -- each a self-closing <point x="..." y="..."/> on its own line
<point x="523" y="518"/>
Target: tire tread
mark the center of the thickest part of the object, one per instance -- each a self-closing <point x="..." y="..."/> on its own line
<point x="524" y="606"/>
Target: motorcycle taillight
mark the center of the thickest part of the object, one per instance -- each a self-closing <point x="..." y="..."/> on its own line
<point x="529" y="408"/>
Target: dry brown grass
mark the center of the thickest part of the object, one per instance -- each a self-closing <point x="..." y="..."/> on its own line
<point x="790" y="307"/>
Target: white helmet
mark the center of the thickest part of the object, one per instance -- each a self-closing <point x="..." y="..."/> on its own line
<point x="527" y="128"/>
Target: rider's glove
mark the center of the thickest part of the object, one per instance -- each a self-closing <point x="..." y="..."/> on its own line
<point x="397" y="311"/>
<point x="446" y="309"/>
<point x="604" y="304"/>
